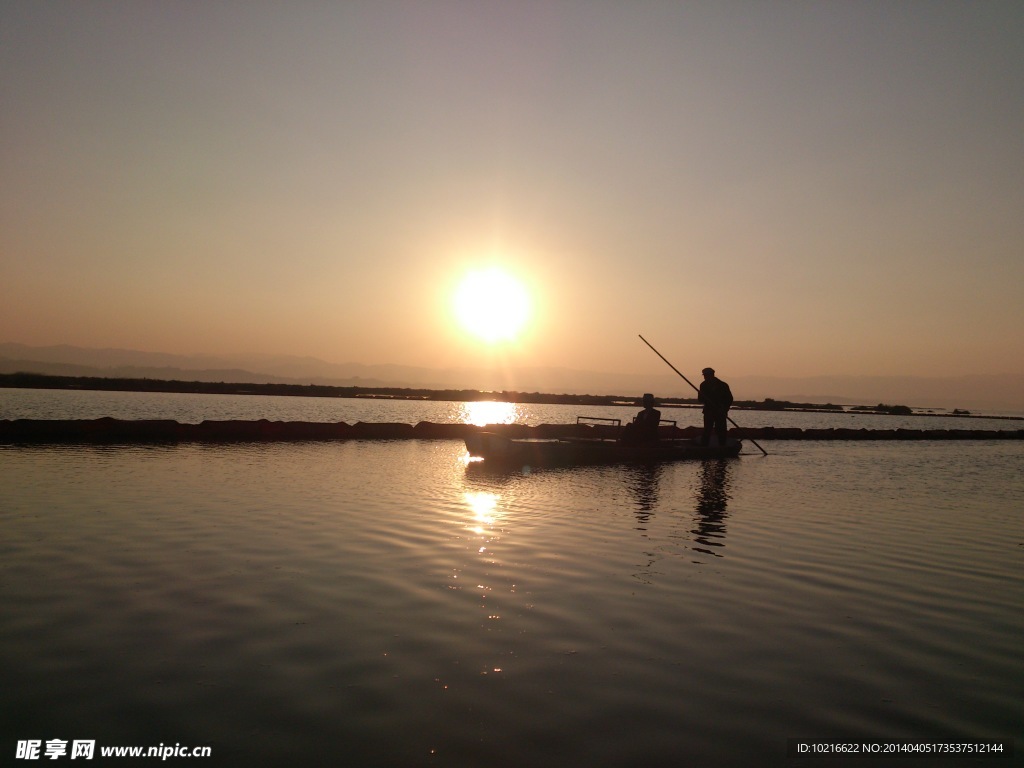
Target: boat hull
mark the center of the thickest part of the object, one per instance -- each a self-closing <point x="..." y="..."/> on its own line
<point x="496" y="449"/>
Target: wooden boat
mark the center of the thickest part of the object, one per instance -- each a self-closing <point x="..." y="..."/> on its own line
<point x="497" y="449"/>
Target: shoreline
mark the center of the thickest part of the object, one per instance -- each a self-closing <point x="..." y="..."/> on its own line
<point x="108" y="430"/>
<point x="173" y="386"/>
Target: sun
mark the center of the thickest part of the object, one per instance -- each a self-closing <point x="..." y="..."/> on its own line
<point x="492" y="305"/>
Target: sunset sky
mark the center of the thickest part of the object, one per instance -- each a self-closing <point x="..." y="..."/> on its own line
<point x="771" y="188"/>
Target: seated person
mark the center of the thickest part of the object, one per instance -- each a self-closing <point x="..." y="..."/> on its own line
<point x="644" y="428"/>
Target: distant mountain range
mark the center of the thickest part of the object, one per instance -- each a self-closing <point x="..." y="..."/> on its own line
<point x="988" y="393"/>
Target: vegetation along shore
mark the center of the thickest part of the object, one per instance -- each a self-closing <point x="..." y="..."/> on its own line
<point x="118" y="431"/>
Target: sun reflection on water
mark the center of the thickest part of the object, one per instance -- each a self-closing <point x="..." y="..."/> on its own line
<point x="484" y="412"/>
<point x="484" y="506"/>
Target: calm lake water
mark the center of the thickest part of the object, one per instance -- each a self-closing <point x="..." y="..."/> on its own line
<point x="192" y="409"/>
<point x="388" y="603"/>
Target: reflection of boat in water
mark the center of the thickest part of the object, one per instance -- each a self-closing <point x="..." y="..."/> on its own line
<point x="497" y="449"/>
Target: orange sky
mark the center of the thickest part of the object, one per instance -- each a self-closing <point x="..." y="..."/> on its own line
<point x="773" y="189"/>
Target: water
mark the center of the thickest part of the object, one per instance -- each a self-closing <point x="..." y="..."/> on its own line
<point x="192" y="409"/>
<point x="388" y="603"/>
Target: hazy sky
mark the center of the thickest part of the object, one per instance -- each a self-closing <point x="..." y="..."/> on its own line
<point x="771" y="188"/>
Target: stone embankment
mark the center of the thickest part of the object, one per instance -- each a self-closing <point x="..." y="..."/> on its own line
<point x="114" y="431"/>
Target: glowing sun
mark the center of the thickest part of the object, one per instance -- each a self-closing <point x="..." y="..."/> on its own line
<point x="492" y="305"/>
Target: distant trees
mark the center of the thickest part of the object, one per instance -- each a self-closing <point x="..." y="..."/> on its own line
<point x="770" y="404"/>
<point x="892" y="410"/>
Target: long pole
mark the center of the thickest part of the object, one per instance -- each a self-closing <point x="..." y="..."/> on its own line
<point x="645" y="341"/>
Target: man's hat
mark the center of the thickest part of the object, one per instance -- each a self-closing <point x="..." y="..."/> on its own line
<point x="709" y="370"/>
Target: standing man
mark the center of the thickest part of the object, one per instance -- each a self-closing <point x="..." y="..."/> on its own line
<point x="717" y="399"/>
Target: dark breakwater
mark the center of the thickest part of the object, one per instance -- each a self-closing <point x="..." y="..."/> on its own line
<point x="110" y="430"/>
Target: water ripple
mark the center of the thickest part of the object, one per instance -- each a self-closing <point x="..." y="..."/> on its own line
<point x="389" y="604"/>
